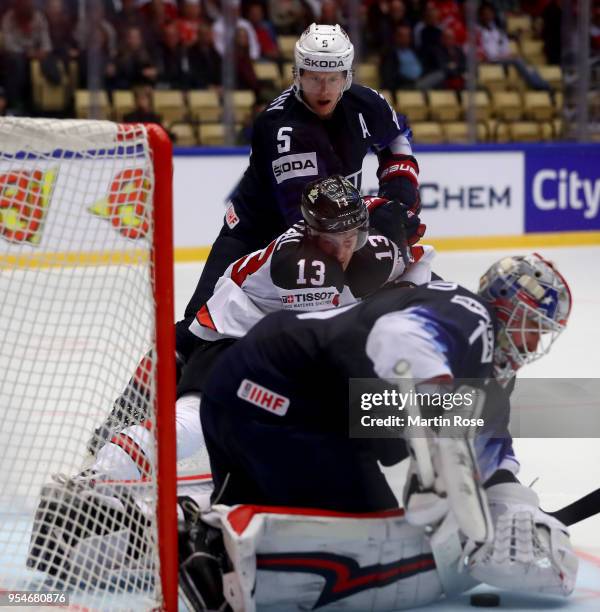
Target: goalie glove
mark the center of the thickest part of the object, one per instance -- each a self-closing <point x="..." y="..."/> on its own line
<point x="531" y="550"/>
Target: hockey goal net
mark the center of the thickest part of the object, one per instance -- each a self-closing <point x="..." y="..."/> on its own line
<point x="86" y="277"/>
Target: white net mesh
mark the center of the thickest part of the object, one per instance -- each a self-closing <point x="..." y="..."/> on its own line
<point x="76" y="317"/>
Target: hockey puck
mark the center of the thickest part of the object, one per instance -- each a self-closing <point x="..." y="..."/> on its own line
<point x="485" y="600"/>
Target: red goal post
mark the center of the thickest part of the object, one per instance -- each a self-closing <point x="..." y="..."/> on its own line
<point x="86" y="289"/>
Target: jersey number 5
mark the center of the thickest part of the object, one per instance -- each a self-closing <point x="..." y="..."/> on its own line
<point x="319" y="273"/>
<point x="283" y="140"/>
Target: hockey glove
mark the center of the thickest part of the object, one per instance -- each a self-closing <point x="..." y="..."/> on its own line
<point x="396" y="221"/>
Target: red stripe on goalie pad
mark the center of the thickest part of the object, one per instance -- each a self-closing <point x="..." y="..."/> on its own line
<point x="134" y="450"/>
<point x="239" y="518"/>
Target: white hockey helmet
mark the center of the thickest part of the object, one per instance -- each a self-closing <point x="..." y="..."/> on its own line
<point x="323" y="48"/>
<point x="528" y="295"/>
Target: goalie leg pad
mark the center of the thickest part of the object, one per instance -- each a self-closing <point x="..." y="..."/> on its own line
<point x="296" y="558"/>
<point x="76" y="522"/>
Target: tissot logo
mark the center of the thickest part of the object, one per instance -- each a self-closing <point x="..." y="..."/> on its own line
<point x="323" y="63"/>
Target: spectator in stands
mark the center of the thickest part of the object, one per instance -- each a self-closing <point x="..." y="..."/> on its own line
<point x="449" y="59"/>
<point x="493" y="46"/>
<point x="205" y="62"/>
<point x="166" y="8"/>
<point x="219" y="32"/>
<point x="172" y="61"/>
<point x="397" y="16"/>
<point x="265" y="32"/>
<point x="143" y="111"/>
<point x="189" y="22"/>
<point x="290" y="16"/>
<point x="62" y="31"/>
<point x="552" y="31"/>
<point x="102" y="49"/>
<point x="427" y="35"/>
<point x="25" y="37"/>
<point x="130" y="17"/>
<point x="330" y="13"/>
<point x="135" y="64"/>
<point x="96" y="19"/>
<point x="452" y="18"/>
<point x="245" y="75"/>
<point x="401" y="67"/>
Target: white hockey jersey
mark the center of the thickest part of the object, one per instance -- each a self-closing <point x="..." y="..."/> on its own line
<point x="292" y="273"/>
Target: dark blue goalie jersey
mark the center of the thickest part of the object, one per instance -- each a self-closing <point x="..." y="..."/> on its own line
<point x="308" y="358"/>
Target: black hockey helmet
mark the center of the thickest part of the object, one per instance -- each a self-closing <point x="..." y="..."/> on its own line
<point x="332" y="206"/>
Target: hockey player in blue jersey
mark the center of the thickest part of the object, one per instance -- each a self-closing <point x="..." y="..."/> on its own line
<point x="323" y="125"/>
<point x="275" y="418"/>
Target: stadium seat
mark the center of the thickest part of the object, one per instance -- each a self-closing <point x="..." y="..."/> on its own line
<point x="552" y="75"/>
<point x="458" y="132"/>
<point x="205" y="105"/>
<point x="524" y="131"/>
<point x="412" y="104"/>
<point x="519" y="26"/>
<point x="243" y="101"/>
<point x="286" y="46"/>
<point x="123" y="103"/>
<point x="559" y="102"/>
<point x="287" y="77"/>
<point x="498" y="130"/>
<point x="443" y="105"/>
<point x="514" y="80"/>
<point x="367" y="75"/>
<point x="427" y="132"/>
<point x="211" y="134"/>
<point x="170" y="105"/>
<point x="84" y="101"/>
<point x="268" y="73"/>
<point x="507" y="105"/>
<point x="183" y="134"/>
<point x="48" y="97"/>
<point x="491" y="76"/>
<point x="538" y="105"/>
<point x="533" y="51"/>
<point x="483" y="109"/>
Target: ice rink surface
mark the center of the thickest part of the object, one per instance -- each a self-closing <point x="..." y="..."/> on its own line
<point x="565" y="469"/>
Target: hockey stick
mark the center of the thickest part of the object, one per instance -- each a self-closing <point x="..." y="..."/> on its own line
<point x="579" y="510"/>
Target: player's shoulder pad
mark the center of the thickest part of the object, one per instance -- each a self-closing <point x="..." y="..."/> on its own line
<point x="369" y="100"/>
<point x="297" y="262"/>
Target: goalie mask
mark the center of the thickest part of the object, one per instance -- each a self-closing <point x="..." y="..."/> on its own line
<point x="532" y="302"/>
<point x="323" y="48"/>
<point x="334" y="207"/>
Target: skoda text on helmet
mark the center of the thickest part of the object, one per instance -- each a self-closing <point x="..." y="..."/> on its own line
<point x="334" y="206"/>
<point x="323" y="48"/>
<point x="530" y="298"/>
